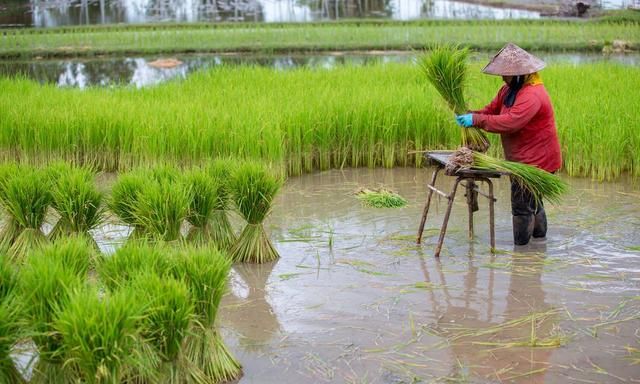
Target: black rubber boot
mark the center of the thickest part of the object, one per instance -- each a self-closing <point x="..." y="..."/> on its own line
<point x="522" y="229"/>
<point x="540" y="224"/>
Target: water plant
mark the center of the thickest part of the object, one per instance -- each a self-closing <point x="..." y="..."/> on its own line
<point x="26" y="196"/>
<point x="99" y="334"/>
<point x="380" y="198"/>
<point x="445" y="67"/>
<point x="124" y="199"/>
<point x="205" y="272"/>
<point x="254" y="188"/>
<point x="78" y="203"/>
<point x="222" y="233"/>
<point x="205" y="200"/>
<point x="45" y="286"/>
<point x="161" y="209"/>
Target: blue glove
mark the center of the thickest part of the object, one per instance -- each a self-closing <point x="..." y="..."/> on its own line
<point x="465" y="120"/>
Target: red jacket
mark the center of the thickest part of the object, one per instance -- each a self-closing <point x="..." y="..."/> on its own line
<point x="528" y="128"/>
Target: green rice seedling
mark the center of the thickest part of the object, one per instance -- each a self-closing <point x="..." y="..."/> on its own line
<point x="222" y="233"/>
<point x="8" y="276"/>
<point x="11" y="330"/>
<point x="45" y="286"/>
<point x="124" y="199"/>
<point x="100" y="338"/>
<point x="254" y="189"/>
<point x="205" y="271"/>
<point x="168" y="317"/>
<point x="445" y="67"/>
<point x="26" y="198"/>
<point x="10" y="228"/>
<point x="78" y="203"/>
<point x="165" y="172"/>
<point x="204" y="200"/>
<point x="74" y="253"/>
<point x="161" y="209"/>
<point x="381" y="198"/>
<point x="127" y="262"/>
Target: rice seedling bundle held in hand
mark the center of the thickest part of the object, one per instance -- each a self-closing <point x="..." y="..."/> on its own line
<point x="204" y="201"/>
<point x="206" y="271"/>
<point x="222" y="233"/>
<point x="445" y="67"/>
<point x="26" y="196"/>
<point x="254" y="188"/>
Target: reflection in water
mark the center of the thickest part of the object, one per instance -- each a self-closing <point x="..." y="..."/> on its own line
<point x="138" y="72"/>
<point x="246" y="309"/>
<point x="40" y="13"/>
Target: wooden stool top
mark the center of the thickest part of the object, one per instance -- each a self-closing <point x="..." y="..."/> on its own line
<point x="441" y="158"/>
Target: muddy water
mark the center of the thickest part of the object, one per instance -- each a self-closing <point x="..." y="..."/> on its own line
<point x="353" y="300"/>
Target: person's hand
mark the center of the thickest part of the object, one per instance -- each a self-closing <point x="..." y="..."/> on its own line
<point x="465" y="120"/>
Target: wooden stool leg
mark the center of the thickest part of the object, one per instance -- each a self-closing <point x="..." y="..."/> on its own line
<point x="470" y="197"/>
<point x="443" y="230"/>
<point x="492" y="230"/>
<point x="425" y="211"/>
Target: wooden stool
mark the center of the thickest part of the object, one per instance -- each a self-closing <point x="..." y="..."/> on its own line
<point x="471" y="176"/>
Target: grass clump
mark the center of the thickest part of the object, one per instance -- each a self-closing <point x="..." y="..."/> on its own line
<point x="26" y="196"/>
<point x="222" y="233"/>
<point x="254" y="189"/>
<point x="118" y="270"/>
<point x="205" y="272"/>
<point x="445" y="67"/>
<point x="45" y="286"/>
<point x="75" y="254"/>
<point x="100" y="338"/>
<point x="78" y="203"/>
<point x="205" y="190"/>
<point x="11" y="324"/>
<point x="380" y="198"/>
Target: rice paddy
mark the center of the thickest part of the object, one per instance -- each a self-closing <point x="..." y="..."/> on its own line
<point x="360" y="35"/>
<point x="298" y="121"/>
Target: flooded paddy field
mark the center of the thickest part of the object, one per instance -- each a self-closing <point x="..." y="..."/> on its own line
<point x="354" y="300"/>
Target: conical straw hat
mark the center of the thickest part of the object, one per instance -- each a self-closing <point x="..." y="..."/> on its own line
<point x="513" y="61"/>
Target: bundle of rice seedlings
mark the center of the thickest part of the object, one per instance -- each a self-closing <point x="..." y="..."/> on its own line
<point x="124" y="199"/>
<point x="204" y="200"/>
<point x="165" y="172"/>
<point x="26" y="196"/>
<point x="10" y="229"/>
<point x="75" y="254"/>
<point x="542" y="184"/>
<point x="45" y="286"/>
<point x="126" y="263"/>
<point x="445" y="67"/>
<point x="161" y="209"/>
<point x="11" y="325"/>
<point x="222" y="233"/>
<point x="380" y="198"/>
<point x="167" y="320"/>
<point x="100" y="338"/>
<point x="254" y="189"/>
<point x="205" y="272"/>
<point x="78" y="203"/>
<point x="11" y="328"/>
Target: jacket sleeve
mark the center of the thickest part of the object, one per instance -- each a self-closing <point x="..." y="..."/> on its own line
<point x="493" y="108"/>
<point x="518" y="116"/>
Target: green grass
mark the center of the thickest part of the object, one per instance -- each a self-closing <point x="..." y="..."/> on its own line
<point x="343" y="35"/>
<point x="308" y="119"/>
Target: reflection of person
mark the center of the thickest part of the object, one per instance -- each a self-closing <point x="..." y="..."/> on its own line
<point x="523" y="116"/>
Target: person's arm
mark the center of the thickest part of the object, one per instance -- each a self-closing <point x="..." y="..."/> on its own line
<point x="524" y="109"/>
<point x="493" y="108"/>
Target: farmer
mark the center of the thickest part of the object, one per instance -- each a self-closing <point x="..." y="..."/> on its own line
<point x="523" y="116"/>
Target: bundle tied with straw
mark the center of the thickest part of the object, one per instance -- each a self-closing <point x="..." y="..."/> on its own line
<point x="254" y="188"/>
<point x="205" y="271"/>
<point x="222" y="233"/>
<point x="445" y="67"/>
<point x="541" y="184"/>
<point x="204" y="201"/>
<point x="11" y="325"/>
<point x="124" y="199"/>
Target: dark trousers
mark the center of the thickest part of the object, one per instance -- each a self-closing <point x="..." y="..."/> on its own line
<point x="529" y="217"/>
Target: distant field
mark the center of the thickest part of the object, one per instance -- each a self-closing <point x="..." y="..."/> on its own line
<point x="552" y="35"/>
